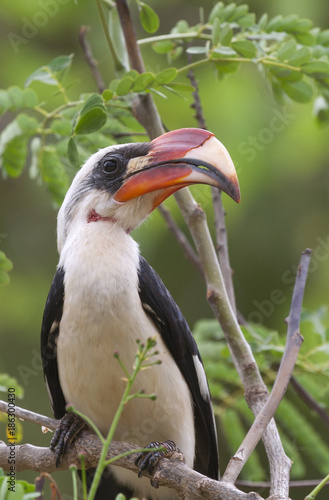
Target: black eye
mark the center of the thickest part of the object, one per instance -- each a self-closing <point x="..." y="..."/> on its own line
<point x="110" y="166"/>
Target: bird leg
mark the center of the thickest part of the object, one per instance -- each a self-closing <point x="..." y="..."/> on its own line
<point x="148" y="460"/>
<point x="69" y="427"/>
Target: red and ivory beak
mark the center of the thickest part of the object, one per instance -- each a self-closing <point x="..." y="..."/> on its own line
<point x="178" y="159"/>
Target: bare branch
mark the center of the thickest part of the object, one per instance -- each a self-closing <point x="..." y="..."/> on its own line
<point x="309" y="400"/>
<point x="92" y="63"/>
<point x="173" y="473"/>
<point x="255" y="389"/>
<point x="293" y="344"/>
<point x="30" y="416"/>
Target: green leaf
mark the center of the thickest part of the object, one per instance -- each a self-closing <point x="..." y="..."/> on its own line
<point x="216" y="29"/>
<point x="143" y="82"/>
<point x="60" y="63"/>
<point x="263" y="21"/>
<point x="163" y="47"/>
<point x="287" y="50"/>
<point x="226" y="67"/>
<point x="323" y="38"/>
<point x="240" y="11"/>
<point x="72" y="153"/>
<point x="225" y="34"/>
<point x="288" y="23"/>
<point x="305" y="39"/>
<point x="247" y="21"/>
<point x="298" y="91"/>
<point x="318" y="69"/>
<point x="166" y="76"/>
<point x="107" y="94"/>
<point x="224" y="51"/>
<point x="228" y="11"/>
<point x="124" y="86"/>
<point x="301" y="56"/>
<point x="13" y="144"/>
<point x="95" y="100"/>
<point x="42" y="75"/>
<point x="47" y="74"/>
<point x="216" y="11"/>
<point x="197" y="50"/>
<point x="303" y="26"/>
<point x="274" y="23"/>
<point x="245" y="48"/>
<point x="91" y="120"/>
<point x="54" y="174"/>
<point x="149" y="18"/>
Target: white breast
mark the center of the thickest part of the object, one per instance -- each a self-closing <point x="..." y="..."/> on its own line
<point x="103" y="314"/>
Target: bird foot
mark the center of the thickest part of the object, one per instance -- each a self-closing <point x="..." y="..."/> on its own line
<point x="69" y="427"/>
<point x="148" y="460"/>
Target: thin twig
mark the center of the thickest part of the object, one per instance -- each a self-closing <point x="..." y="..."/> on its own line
<point x="91" y="61"/>
<point x="181" y="238"/>
<point x="293" y="344"/>
<point x="31" y="416"/>
<point x="255" y="485"/>
<point x="310" y="401"/>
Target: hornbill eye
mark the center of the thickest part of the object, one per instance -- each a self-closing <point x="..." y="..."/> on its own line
<point x="110" y="166"/>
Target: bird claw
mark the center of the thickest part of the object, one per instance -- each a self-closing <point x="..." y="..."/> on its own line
<point x="69" y="427"/>
<point x="148" y="460"/>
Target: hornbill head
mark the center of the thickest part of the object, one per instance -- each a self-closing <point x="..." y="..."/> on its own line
<point x="124" y="183"/>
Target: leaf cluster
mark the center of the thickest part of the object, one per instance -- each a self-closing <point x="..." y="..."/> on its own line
<point x="290" y="51"/>
<point x="299" y="429"/>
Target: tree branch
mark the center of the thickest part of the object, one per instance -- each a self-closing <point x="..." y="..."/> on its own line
<point x="91" y="61"/>
<point x="173" y="472"/>
<point x="181" y="238"/>
<point x="309" y="400"/>
<point x="255" y="389"/>
<point x="293" y="344"/>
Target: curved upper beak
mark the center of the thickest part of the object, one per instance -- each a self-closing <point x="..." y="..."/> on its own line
<point x="176" y="160"/>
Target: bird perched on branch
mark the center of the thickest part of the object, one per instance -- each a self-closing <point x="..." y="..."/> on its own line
<point x="104" y="296"/>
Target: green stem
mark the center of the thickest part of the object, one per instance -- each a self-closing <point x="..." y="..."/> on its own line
<point x="117" y="63"/>
<point x="317" y="489"/>
<point x="174" y="36"/>
<point x="102" y="461"/>
<point x="74" y="482"/>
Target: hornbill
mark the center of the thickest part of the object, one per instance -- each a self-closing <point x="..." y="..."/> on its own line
<point x="104" y="296"/>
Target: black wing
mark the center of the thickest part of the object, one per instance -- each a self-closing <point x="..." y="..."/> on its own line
<point x="161" y="307"/>
<point x="49" y="333"/>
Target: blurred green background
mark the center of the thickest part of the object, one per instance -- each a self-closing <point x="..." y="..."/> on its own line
<point x="281" y="157"/>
